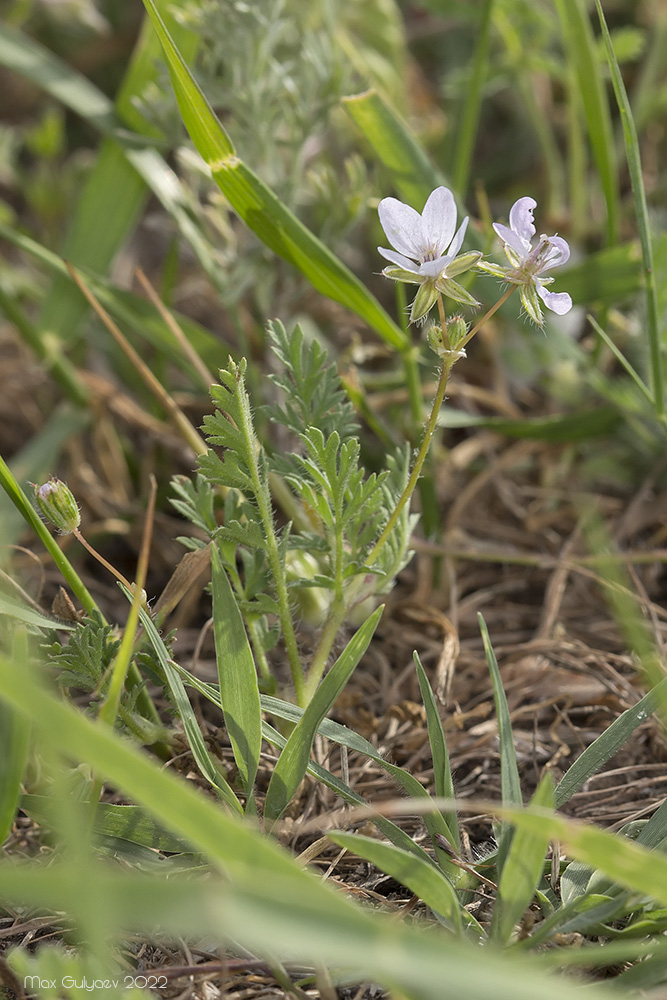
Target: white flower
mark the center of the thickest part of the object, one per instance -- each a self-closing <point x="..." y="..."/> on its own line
<point x="530" y="263"/>
<point x="425" y="249"/>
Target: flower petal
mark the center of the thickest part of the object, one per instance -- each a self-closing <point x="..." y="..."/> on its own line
<point x="434" y="268"/>
<point x="521" y="218"/>
<point x="558" y="302"/>
<point x="399" y="259"/>
<point x="520" y="246"/>
<point x="438" y="221"/>
<point x="402" y="225"/>
<point x="457" y="242"/>
<point x="559" y="253"/>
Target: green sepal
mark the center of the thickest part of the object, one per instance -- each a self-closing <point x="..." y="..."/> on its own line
<point x="424" y="301"/>
<point x="454" y="291"/>
<point x="401" y="274"/>
<point x="463" y="263"/>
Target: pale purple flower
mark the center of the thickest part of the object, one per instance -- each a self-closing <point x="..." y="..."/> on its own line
<point x="530" y="262"/>
<point x="425" y="248"/>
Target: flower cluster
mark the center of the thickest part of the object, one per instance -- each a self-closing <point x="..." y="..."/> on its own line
<point x="426" y="253"/>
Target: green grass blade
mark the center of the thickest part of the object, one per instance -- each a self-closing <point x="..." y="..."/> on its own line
<point x="509" y="772"/>
<point x="432" y="887"/>
<point x="444" y="786"/>
<point x="522" y="871"/>
<point x="237" y="675"/>
<point x="273" y="915"/>
<point x="608" y="743"/>
<point x="259" y="207"/>
<point x="580" y="48"/>
<point x="293" y="761"/>
<point x="270" y="904"/>
<point x="130" y="311"/>
<point x="129" y="823"/>
<point x="557" y="429"/>
<point x="392" y="832"/>
<point x="412" y="171"/>
<point x="641" y="209"/>
<point x="14" y="746"/>
<point x="187" y="716"/>
<point x="622" y="360"/>
<point x="435" y="822"/>
<point x="605" y="277"/>
<point x="469" y="119"/>
<point x="283" y="709"/>
<point x="29" y="616"/>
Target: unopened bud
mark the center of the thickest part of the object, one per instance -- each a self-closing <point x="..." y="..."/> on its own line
<point x="456" y="330"/>
<point x="57" y="504"/>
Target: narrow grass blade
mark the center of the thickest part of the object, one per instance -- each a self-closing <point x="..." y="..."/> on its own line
<point x="392" y="832"/>
<point x="472" y="100"/>
<point x="432" y="887"/>
<point x="259" y="207"/>
<point x="622" y="360"/>
<point x="641" y="209"/>
<point x="522" y="871"/>
<point x="509" y="772"/>
<point x="412" y="171"/>
<point x="129" y="309"/>
<point x="435" y="821"/>
<point x="442" y="772"/>
<point x="237" y="675"/>
<point x="147" y="169"/>
<point x="293" y="761"/>
<point x="580" y="48"/>
<point x="608" y="743"/>
<point x="192" y="731"/>
<point x="606" y="277"/>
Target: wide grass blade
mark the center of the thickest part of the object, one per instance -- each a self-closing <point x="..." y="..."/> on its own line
<point x="581" y="50"/>
<point x="442" y="772"/>
<point x="522" y="871"/>
<point x="272" y="915"/>
<point x="633" y="155"/>
<point x="509" y="772"/>
<point x="237" y="675"/>
<point x="259" y="207"/>
<point x="432" y="887"/>
<point x="293" y="761"/>
<point x="271" y="905"/>
<point x="187" y="716"/>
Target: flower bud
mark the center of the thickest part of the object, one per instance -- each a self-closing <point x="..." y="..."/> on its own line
<point x="56" y="502"/>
